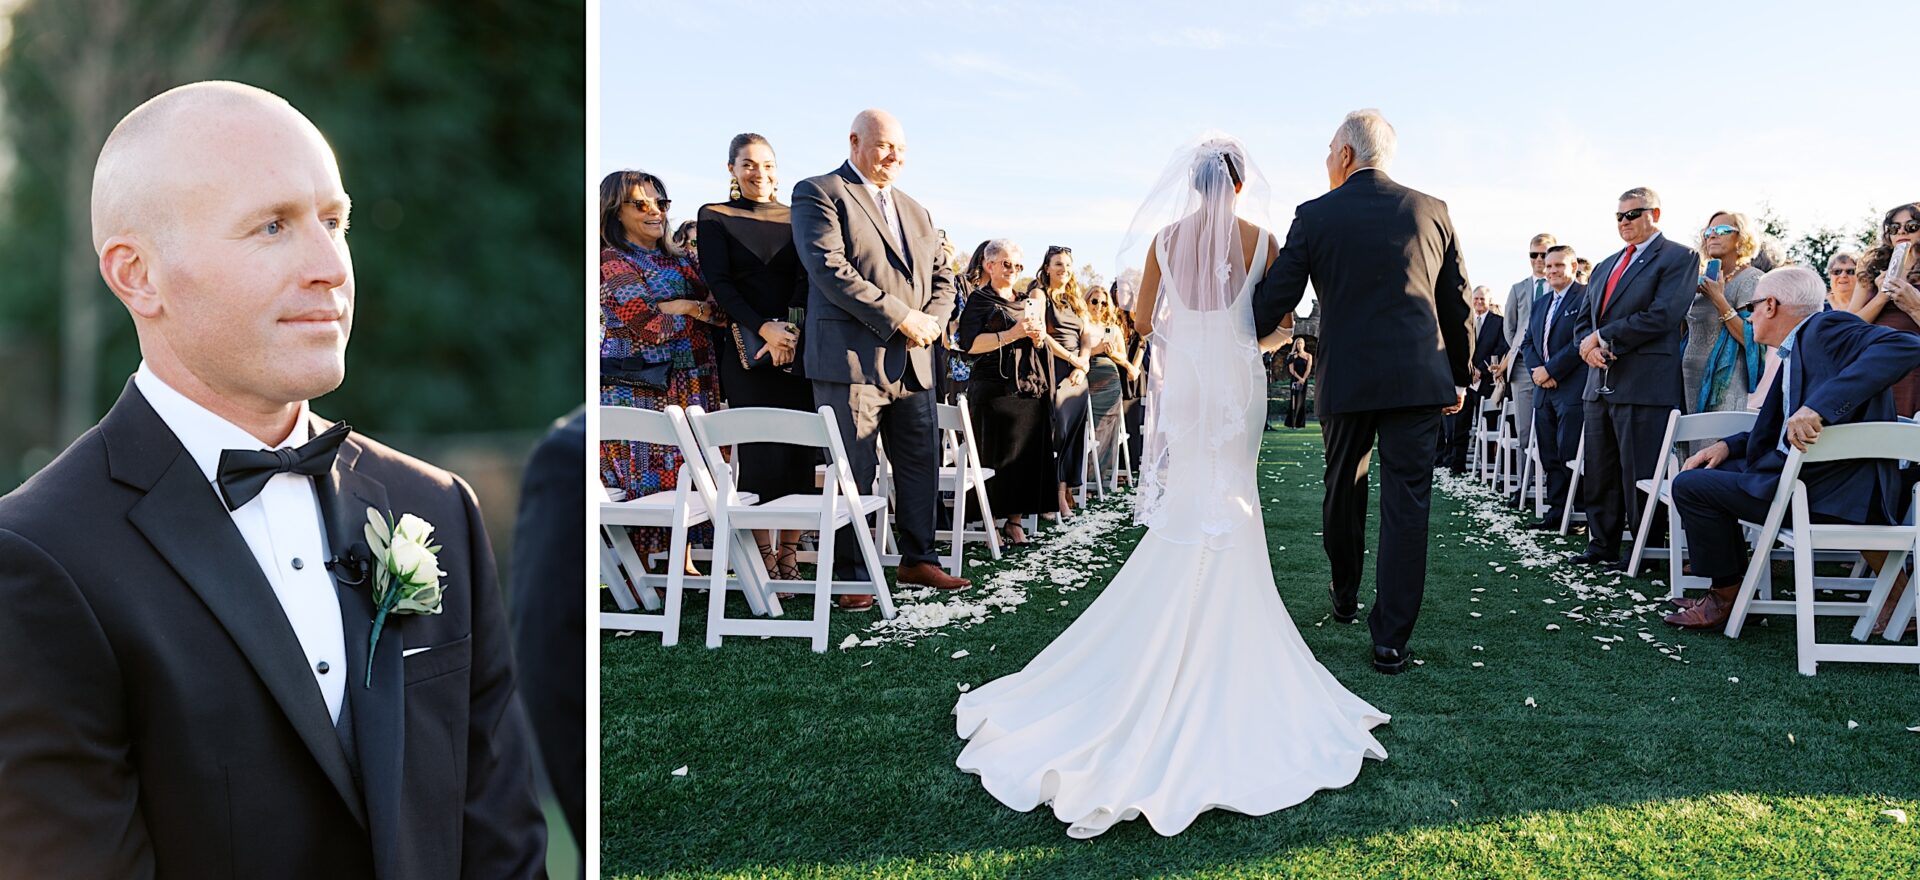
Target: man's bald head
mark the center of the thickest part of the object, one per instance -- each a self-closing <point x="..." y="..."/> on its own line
<point x="221" y="223"/>
<point x="146" y="159"/>
<point x="877" y="146"/>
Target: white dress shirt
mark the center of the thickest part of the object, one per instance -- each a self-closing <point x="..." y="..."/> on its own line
<point x="282" y="526"/>
<point x="885" y="197"/>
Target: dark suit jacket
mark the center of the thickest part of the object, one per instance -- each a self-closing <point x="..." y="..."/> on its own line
<point x="1645" y="324"/>
<point x="1386" y="266"/>
<point x="1565" y="366"/>
<point x="549" y="620"/>
<point x="1842" y="369"/>
<point x="159" y="718"/>
<point x="1489" y="345"/>
<point x="861" y="286"/>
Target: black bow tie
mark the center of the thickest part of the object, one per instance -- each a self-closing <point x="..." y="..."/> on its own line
<point x="244" y="472"/>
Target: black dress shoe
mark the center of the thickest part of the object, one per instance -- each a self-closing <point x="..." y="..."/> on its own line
<point x="1550" y="524"/>
<point x="1590" y="558"/>
<point x="1347" y="614"/>
<point x="1390" y="661"/>
<point x="1619" y="565"/>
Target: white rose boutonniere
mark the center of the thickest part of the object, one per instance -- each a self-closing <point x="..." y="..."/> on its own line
<point x="406" y="572"/>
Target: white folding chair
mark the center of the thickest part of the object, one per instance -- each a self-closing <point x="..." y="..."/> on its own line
<point x="1533" y="478"/>
<point x="1682" y="429"/>
<point x="838" y="504"/>
<point x="1855" y="442"/>
<point x="678" y="509"/>
<point x="1507" y="478"/>
<point x="1570" y="506"/>
<point x="1486" y="442"/>
<point x="1089" y="457"/>
<point x="1122" y="462"/>
<point x="963" y="476"/>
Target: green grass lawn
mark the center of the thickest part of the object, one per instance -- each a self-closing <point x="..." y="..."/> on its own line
<point x="1629" y="763"/>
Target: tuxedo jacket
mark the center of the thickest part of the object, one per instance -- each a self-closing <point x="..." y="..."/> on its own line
<point x="1645" y="324"/>
<point x="862" y="283"/>
<point x="1385" y="263"/>
<point x="1842" y="368"/>
<point x="159" y="718"/>
<point x="1563" y="365"/>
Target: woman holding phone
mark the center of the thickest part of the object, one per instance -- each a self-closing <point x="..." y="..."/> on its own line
<point x="1721" y="364"/>
<point x="1009" y="396"/>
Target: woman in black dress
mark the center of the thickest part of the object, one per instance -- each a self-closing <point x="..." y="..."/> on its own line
<point x="1068" y="341"/>
<point x="1010" y="396"/>
<point x="747" y="259"/>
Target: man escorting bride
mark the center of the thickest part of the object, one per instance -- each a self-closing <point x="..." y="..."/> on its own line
<point x="1186" y="685"/>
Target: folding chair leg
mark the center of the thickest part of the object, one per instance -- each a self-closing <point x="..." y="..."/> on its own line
<point x="823" y="581"/>
<point x="876" y="575"/>
<point x="1640" y="534"/>
<point x="676" y="580"/>
<point x="959" y="530"/>
<point x="986" y="517"/>
<point x="1803" y="613"/>
<point x="1882" y="587"/>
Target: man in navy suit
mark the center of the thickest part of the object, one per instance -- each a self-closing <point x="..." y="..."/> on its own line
<point x="1632" y="329"/>
<point x="1835" y="369"/>
<point x="1550" y="355"/>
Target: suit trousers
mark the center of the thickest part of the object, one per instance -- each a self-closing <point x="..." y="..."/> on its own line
<point x="1460" y="429"/>
<point x="1623" y="446"/>
<point x="1407" y="439"/>
<point x="1712" y="505"/>
<point x="907" y="420"/>
<point x="1523" y="397"/>
<point x="1557" y="423"/>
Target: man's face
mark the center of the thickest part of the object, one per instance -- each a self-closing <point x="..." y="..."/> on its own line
<point x="1479" y="302"/>
<point x="1559" y="270"/>
<point x="879" y="151"/>
<point x="254" y="278"/>
<point x="1635" y="220"/>
<point x="1771" y="323"/>
<point x="1537" y="258"/>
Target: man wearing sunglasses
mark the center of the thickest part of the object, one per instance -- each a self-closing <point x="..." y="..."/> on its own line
<point x="1834" y="369"/>
<point x="1632" y="332"/>
<point x="1519" y="317"/>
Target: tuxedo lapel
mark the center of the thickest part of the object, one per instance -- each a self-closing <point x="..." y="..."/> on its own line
<point x="857" y="190"/>
<point x="189" y="527"/>
<point x="378" y="712"/>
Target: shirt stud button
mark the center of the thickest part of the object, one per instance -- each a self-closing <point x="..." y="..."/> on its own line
<point x="298" y="564"/>
<point x="322" y="667"/>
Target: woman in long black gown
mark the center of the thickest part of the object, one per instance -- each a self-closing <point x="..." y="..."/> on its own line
<point x="748" y="260"/>
<point x="1010" y="396"/>
<point x="1068" y="341"/>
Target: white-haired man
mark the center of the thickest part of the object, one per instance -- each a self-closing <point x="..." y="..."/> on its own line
<point x="1396" y="334"/>
<point x="196" y="687"/>
<point x="1834" y="369"/>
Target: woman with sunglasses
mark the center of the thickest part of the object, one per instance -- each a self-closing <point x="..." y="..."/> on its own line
<point x="1876" y="291"/>
<point x="1067" y="329"/>
<point x="748" y="260"/>
<point x="655" y="344"/>
<point x="1107" y="370"/>
<point x="1843" y="273"/>
<point x="1721" y="365"/>
<point x="1010" y="397"/>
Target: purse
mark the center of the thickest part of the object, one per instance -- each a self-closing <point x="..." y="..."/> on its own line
<point x="744" y="344"/>
<point x="636" y="371"/>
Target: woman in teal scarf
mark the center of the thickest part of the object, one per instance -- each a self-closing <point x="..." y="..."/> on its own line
<point x="1721" y="365"/>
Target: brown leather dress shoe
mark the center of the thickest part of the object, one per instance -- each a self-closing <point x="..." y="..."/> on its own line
<point x="854" y="603"/>
<point x="927" y="574"/>
<point x="1711" y="612"/>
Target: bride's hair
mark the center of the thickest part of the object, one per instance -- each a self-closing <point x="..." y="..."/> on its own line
<point x="1218" y="166"/>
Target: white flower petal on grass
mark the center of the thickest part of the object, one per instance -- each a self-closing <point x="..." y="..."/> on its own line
<point x="1898" y="816"/>
<point x="1477" y="664"/>
<point x="1474" y="614"/>
<point x="957" y="654"/>
<point x="1553" y="627"/>
<point x="681" y="772"/>
<point x="1734" y="679"/>
<point x="625" y="633"/>
<point x="1852" y="724"/>
<point x="1531" y="704"/>
<point x="964" y="687"/>
<point x="1790" y="739"/>
<point x="849" y="642"/>
<point x="1913" y="730"/>
<point x="1478" y="648"/>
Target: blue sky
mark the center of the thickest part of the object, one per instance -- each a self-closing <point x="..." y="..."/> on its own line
<point x="1048" y="122"/>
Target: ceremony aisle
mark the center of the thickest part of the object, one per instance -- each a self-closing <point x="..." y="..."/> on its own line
<point x="1554" y="728"/>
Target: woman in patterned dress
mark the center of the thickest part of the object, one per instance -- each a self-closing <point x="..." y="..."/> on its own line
<point x="654" y="309"/>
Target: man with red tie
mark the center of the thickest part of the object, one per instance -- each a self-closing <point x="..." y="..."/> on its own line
<point x="1631" y="332"/>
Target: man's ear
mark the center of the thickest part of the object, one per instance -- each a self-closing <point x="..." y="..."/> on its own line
<point x="128" y="271"/>
<point x="1656" y="214"/>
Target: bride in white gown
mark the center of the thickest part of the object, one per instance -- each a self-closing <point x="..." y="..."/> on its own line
<point x="1185" y="686"/>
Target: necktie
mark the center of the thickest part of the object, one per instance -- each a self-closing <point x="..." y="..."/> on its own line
<point x="1787" y="408"/>
<point x="1546" y="330"/>
<point x="243" y="473"/>
<point x="1614" y="277"/>
<point x="886" y="214"/>
<point x="1539" y="287"/>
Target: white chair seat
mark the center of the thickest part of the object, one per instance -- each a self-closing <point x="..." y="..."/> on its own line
<point x="950" y="478"/>
<point x="799" y="511"/>
<point x="657" y="509"/>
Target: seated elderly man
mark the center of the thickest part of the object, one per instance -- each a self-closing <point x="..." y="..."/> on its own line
<point x="1835" y="369"/>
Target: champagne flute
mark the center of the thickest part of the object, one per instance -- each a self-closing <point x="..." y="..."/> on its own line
<point x="1606" y="355"/>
